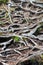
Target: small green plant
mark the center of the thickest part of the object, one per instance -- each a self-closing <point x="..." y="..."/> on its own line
<point x="16" y="38"/>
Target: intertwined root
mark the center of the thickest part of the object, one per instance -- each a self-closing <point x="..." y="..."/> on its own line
<point x="21" y="32"/>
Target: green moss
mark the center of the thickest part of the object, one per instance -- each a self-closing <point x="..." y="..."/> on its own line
<point x="3" y="1"/>
<point x="41" y="56"/>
